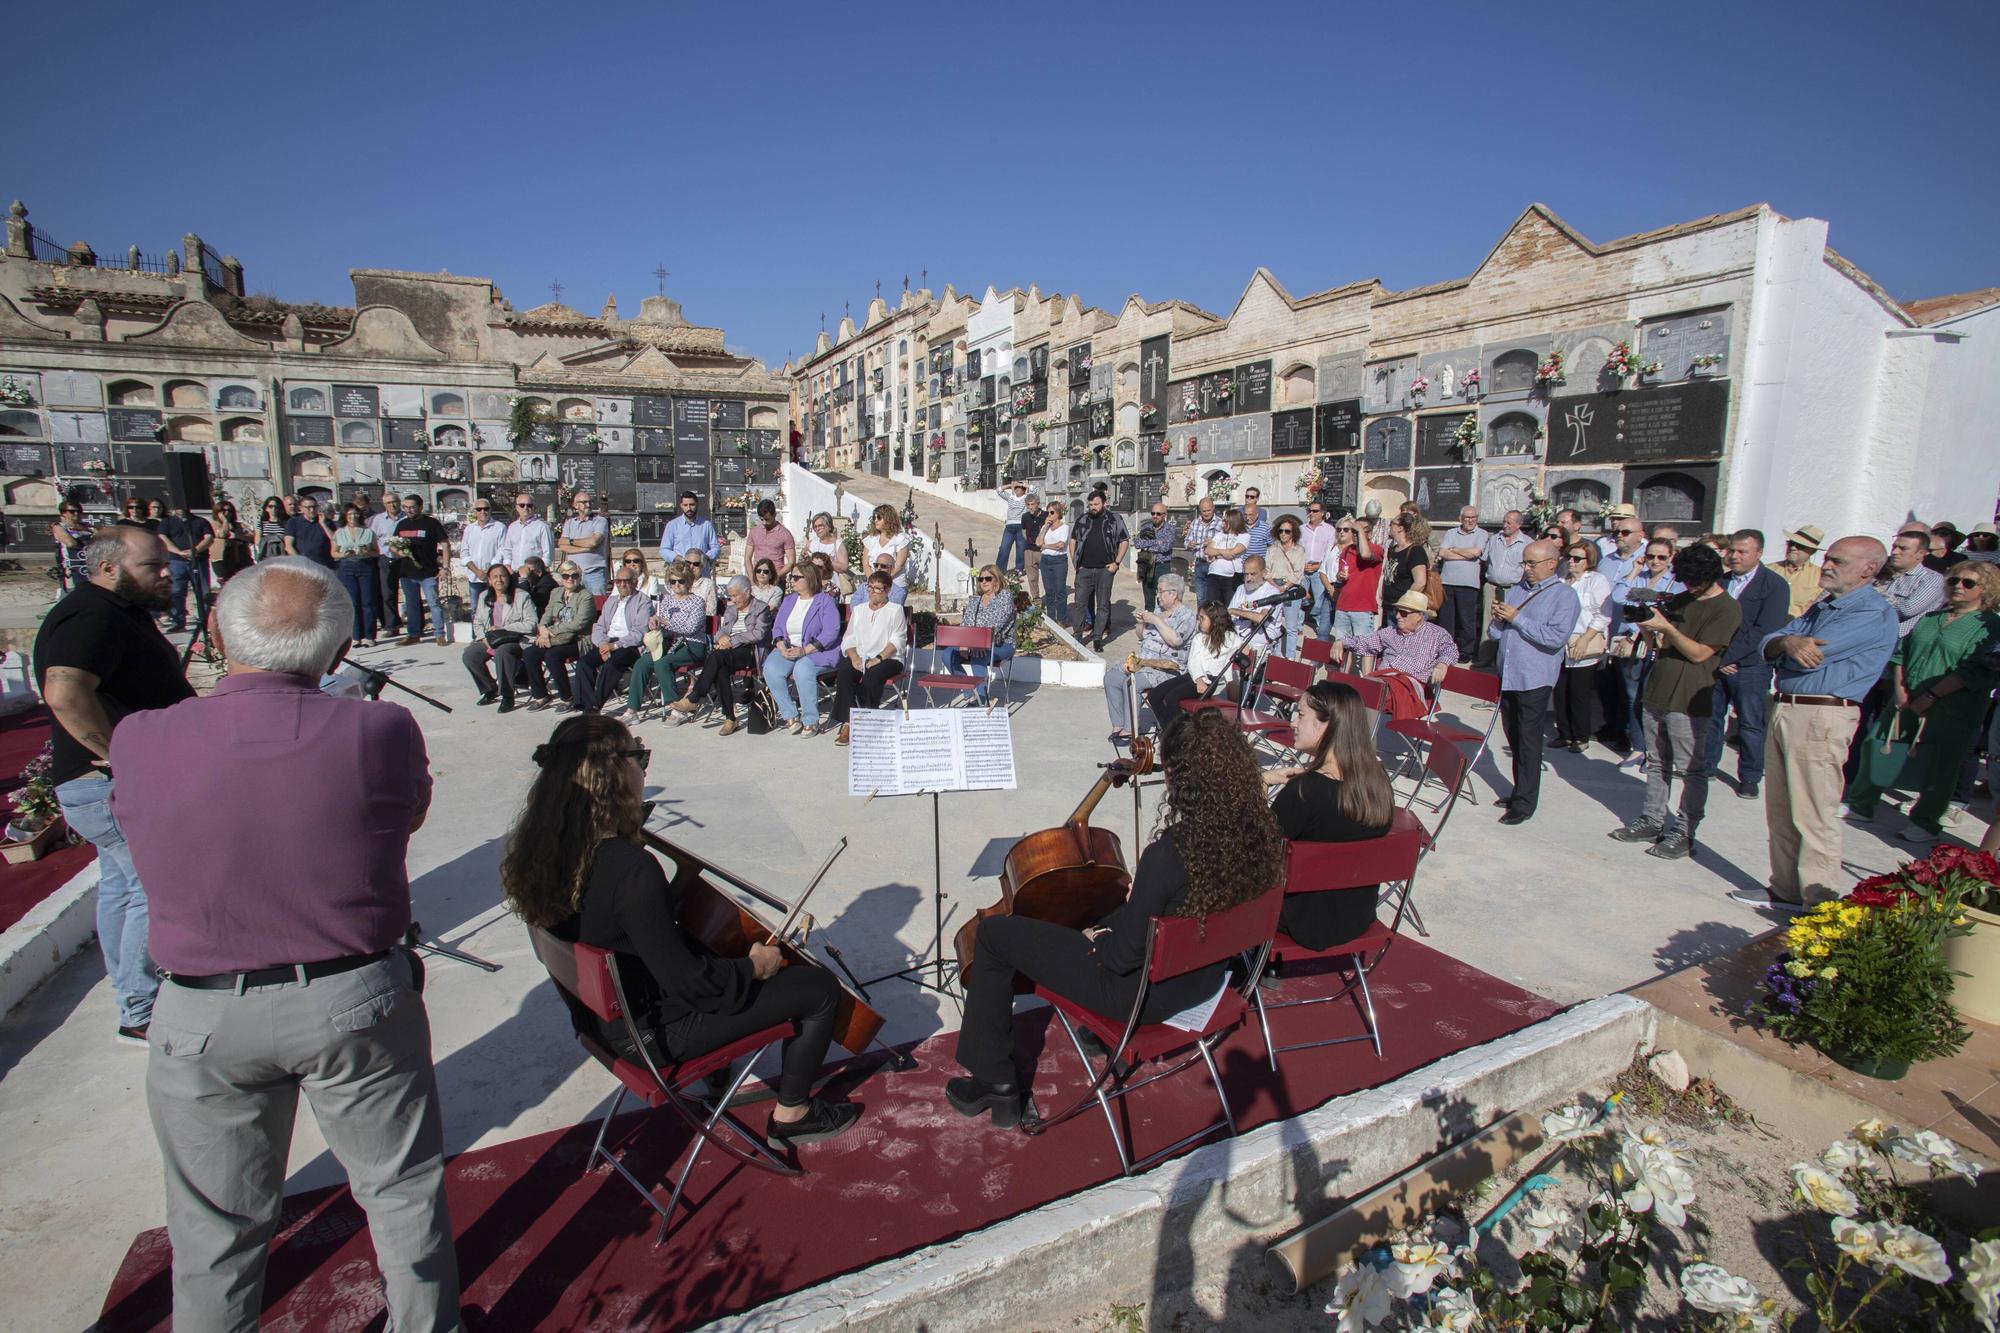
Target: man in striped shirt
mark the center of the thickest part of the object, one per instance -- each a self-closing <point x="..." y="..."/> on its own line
<point x="1201" y="530"/>
<point x="1256" y="523"/>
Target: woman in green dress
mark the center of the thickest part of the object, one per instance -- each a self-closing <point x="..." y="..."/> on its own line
<point x="1941" y="673"/>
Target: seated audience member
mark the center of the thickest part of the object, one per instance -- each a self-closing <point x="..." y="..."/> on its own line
<point x="991" y="606"/>
<point x="1249" y="608"/>
<point x="1218" y="847"/>
<point x="651" y="585"/>
<point x="823" y="566"/>
<point x="503" y="616"/>
<point x="1413" y="649"/>
<point x="285" y="981"/>
<point x="765" y="585"/>
<point x="561" y="632"/>
<point x="1340" y="794"/>
<point x="805" y="640"/>
<point x="742" y="633"/>
<point x="871" y="652"/>
<point x="884" y="564"/>
<point x="584" y="811"/>
<point x="533" y="575"/>
<point x="616" y="641"/>
<point x="1165" y="634"/>
<point x="682" y="625"/>
<point x="1208" y="662"/>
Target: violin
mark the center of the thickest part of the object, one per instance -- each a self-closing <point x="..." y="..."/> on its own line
<point x="728" y="928"/>
<point x="1073" y="874"/>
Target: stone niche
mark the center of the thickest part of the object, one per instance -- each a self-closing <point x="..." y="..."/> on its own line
<point x="359" y="435"/>
<point x="361" y="469"/>
<point x="21" y="423"/>
<point x="1446" y="373"/>
<point x="34" y="494"/>
<point x="402" y="400"/>
<point x="1384" y="489"/>
<point x="312" y="465"/>
<point x="575" y="409"/>
<point x="614" y="439"/>
<point x="237" y="396"/>
<point x="1589" y="491"/>
<point x="71" y="388"/>
<point x="451" y="437"/>
<point x="1679" y="493"/>
<point x="1513" y="429"/>
<point x="614" y="411"/>
<point x="1340" y="376"/>
<point x="1510" y="367"/>
<point x="78" y="428"/>
<point x="1385" y="385"/>
<point x="243" y="460"/>
<point x="1678" y="341"/>
<point x="313" y="400"/>
<point x="499" y="467"/>
<point x="488" y="404"/>
<point x="535" y="468"/>
<point x="446" y="402"/>
<point x="1503" y="488"/>
<point x="187" y="395"/>
<point x="133" y="393"/>
<point x="1584" y="351"/>
<point x="490" y="435"/>
<point x="190" y="430"/>
<point x="243" y="430"/>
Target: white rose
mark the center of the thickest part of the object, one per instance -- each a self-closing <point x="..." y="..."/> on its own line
<point x="1982" y="1281"/>
<point x="1418" y="1264"/>
<point x="1659" y="1184"/>
<point x="1360" y="1299"/>
<point x="1710" y="1289"/>
<point x="1847" y="1155"/>
<point x="1857" y="1240"/>
<point x="1822" y="1191"/>
<point x="1927" y="1148"/>
<point x="1656" y="1136"/>
<point x="1912" y="1251"/>
<point x="1543" y="1220"/>
<point x="1872" y="1131"/>
<point x="1570" y="1123"/>
<point x="1452" y="1311"/>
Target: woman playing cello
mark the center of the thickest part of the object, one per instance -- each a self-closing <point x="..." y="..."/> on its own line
<point x="1217" y="846"/>
<point x="575" y="865"/>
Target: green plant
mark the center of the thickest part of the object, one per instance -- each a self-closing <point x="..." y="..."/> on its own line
<point x="523" y="415"/>
<point x="34" y="800"/>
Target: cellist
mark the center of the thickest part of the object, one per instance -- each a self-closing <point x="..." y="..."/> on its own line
<point x="574" y="864"/>
<point x="1216" y="846"/>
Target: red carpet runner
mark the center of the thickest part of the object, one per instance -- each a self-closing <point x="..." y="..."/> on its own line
<point x="541" y="1247"/>
<point x="24" y="885"/>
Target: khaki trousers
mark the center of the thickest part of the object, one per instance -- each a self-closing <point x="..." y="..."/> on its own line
<point x="1804" y="748"/>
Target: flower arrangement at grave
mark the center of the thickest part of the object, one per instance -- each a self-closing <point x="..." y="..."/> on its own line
<point x="97" y="466"/>
<point x="1308" y="482"/>
<point x="624" y="527"/>
<point x="422" y="439"/>
<point x="1190" y="402"/>
<point x="1469" y="386"/>
<point x="1550" y="372"/>
<point x="937" y="443"/>
<point x="1419" y="387"/>
<point x="1039" y="425"/>
<point x="1865" y="978"/>
<point x="15" y="394"/>
<point x="975" y="429"/>
<point x="1623" y="363"/>
<point x="1023" y="399"/>
<point x="1465" y="439"/>
<point x="1222" y="489"/>
<point x="523" y="417"/>
<point x="1166" y="449"/>
<point x="1540" y="513"/>
<point x="1705" y="362"/>
<point x="1225" y="389"/>
<point x="1147" y="411"/>
<point x="35" y="805"/>
<point x="1086" y="363"/>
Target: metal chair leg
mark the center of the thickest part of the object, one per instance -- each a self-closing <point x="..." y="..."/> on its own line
<point x="1215" y="1075"/>
<point x="1103" y="1101"/>
<point x="694" y="1149"/>
<point x="1264" y="1022"/>
<point x="590" y="1162"/>
<point x="1368" y="1005"/>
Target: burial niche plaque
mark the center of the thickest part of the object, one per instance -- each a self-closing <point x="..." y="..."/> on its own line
<point x="135" y="423"/>
<point x="1339" y="426"/>
<point x="1292" y="433"/>
<point x="1253" y="387"/>
<point x="356" y="400"/>
<point x="1385" y="444"/>
<point x="652" y="409"/>
<point x="1434" y="440"/>
<point x="311" y="432"/>
<point x="1442" y="491"/>
<point x="26" y="460"/>
<point x="1671" y="423"/>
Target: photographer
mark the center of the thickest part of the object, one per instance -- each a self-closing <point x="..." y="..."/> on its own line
<point x="1688" y="633"/>
<point x="1651" y="581"/>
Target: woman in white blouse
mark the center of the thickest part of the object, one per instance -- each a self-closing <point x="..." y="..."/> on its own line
<point x="1054" y="539"/>
<point x="885" y="534"/>
<point x="1585" y="649"/>
<point x="1225" y="559"/>
<point x="650" y="584"/>
<point x="871" y="652"/>
<point x="823" y="539"/>
<point x="1207" y="665"/>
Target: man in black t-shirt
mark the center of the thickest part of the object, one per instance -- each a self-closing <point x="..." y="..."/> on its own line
<point x="1097" y="548"/>
<point x="307" y="536"/>
<point x="188" y="537"/>
<point x="417" y="571"/>
<point x="98" y="659"/>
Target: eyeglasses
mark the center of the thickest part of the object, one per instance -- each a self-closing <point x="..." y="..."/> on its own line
<point x="566" y="577"/>
<point x="1579" y="560"/>
<point x="630" y="561"/>
<point x="638" y="752"/>
<point x="524" y="504"/>
<point x="798" y="578"/>
<point x="1408" y="611"/>
<point x="481" y="509"/>
<point x="1963" y="583"/>
<point x="986" y="578"/>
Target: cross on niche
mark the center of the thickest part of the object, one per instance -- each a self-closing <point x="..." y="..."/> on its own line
<point x="121" y="457"/>
<point x="1153" y="364"/>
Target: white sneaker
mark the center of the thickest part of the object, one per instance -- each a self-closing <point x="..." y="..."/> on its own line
<point x="1955" y="812"/>
<point x="797" y="726"/>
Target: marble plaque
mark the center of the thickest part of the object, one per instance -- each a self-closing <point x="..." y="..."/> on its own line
<point x="535" y="468"/>
<point x="1178" y="446"/>
<point x="314" y="432"/>
<point x="1510" y="366"/>
<point x="357" y="400"/>
<point x="1446" y="373"/>
<point x="452" y="469"/>
<point x="489" y="435"/>
<point x="1675" y="421"/>
<point x="71" y="388"/>
<point x="728" y="414"/>
<point x="1253" y="387"/>
<point x="1440" y="492"/>
<point x="578" y="437"/>
<point x="1155" y="364"/>
<point x="1386" y="384"/>
<point x="1583" y="352"/>
<point x="1211" y="399"/>
<point x="614" y="411"/>
<point x="657" y="495"/>
<point x="690" y="422"/>
<point x="1678" y="341"/>
<point x="1223" y="441"/>
<point x="1338" y="427"/>
<point x="243" y="460"/>
<point x="1292" y="433"/>
<point x="78" y="428"/>
<point x="22" y="423"/>
<point x="1434" y="439"/>
<point x="1386" y="444"/>
<point x="491" y="405"/>
<point x="617" y="482"/>
<point x="494" y="467"/>
<point x="237" y="395"/>
<point x="26" y="460"/>
<point x="311" y="400"/>
<point x="136" y="423"/>
<point x="647" y="440"/>
<point x="399" y="469"/>
<point x="1513" y="429"/>
<point x="402" y="400"/>
<point x="447" y="402"/>
<point x="1502" y="489"/>
<point x="1340" y="376"/>
<point x="142" y="460"/>
<point x="614" y="439"/>
<point x="368" y="434"/>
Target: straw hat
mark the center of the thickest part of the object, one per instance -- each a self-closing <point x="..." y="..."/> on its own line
<point x="1412" y="601"/>
<point x="1621" y="511"/>
<point x="1807" y="536"/>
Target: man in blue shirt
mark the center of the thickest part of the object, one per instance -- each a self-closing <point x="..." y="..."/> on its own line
<point x="1532" y="627"/>
<point x="1825" y="662"/>
<point x="690" y="538"/>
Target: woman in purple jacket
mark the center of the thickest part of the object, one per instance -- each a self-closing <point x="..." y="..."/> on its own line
<point x="805" y="640"/>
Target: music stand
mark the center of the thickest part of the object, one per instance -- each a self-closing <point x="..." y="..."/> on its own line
<point x="931" y="961"/>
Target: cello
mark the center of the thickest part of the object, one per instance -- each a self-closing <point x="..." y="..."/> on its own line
<point x="728" y="928"/>
<point x="1073" y="874"/>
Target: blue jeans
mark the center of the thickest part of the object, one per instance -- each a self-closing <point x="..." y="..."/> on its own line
<point x="1350" y="625"/>
<point x="1749" y="691"/>
<point x="782" y="675"/>
<point x="1294" y="616"/>
<point x="1632" y="679"/>
<point x="413" y="608"/>
<point x="593" y="581"/>
<point x="122" y="916"/>
<point x="1055" y="586"/>
<point x="1200" y="582"/>
<point x="357" y="575"/>
<point x="1011" y="540"/>
<point x="1322" y="607"/>
<point x="956" y="660"/>
<point x="188" y="574"/>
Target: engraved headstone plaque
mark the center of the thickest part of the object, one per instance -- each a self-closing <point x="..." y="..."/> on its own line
<point x="614" y="411"/>
<point x="1386" y="444"/>
<point x="450" y="468"/>
<point x="1678" y="341"/>
<point x="690" y="422"/>
<point x="1339" y="426"/>
<point x="1440" y="492"/>
<point x="1677" y="421"/>
<point x="578" y="437"/>
<point x="135" y="423"/>
<point x="535" y="468"/>
<point x="617" y="482"/>
<point x="402" y="400"/>
<point x="1434" y="439"/>
<point x="26" y="460"/>
<point x="1253" y="387"/>
<point x="727" y="414"/>
<point x="356" y="400"/>
<point x="1446" y="373"/>
<point x="398" y="433"/>
<point x="243" y="460"/>
<point x="1340" y="376"/>
<point x="1386" y="384"/>
<point x="651" y="409"/>
<point x="71" y="388"/>
<point x="1292" y="433"/>
<point x="650" y="440"/>
<point x="1583" y="352"/>
<point x="1502" y="489"/>
<point x="78" y="427"/>
<point x="316" y="432"/>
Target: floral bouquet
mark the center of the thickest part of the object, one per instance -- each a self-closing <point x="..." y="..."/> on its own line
<point x="1972" y="878"/>
<point x="15" y="394"/>
<point x="1222" y="489"/>
<point x="1469" y="386"/>
<point x="1706" y="361"/>
<point x="398" y="547"/>
<point x="625" y="528"/>
<point x="1308" y="482"/>
<point x="1466" y="438"/>
<point x="1419" y="387"/>
<point x="1622" y="361"/>
<point x="1550" y="371"/>
<point x="35" y="804"/>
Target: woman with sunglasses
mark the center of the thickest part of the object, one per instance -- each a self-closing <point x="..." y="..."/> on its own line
<point x="991" y="606"/>
<point x="765" y="585"/>
<point x="559" y="636"/>
<point x="805" y="641"/>
<point x="681" y="623"/>
<point x="575" y="866"/>
<point x="822" y="539"/>
<point x="1052" y="539"/>
<point x="271" y="522"/>
<point x="1585" y="650"/>
<point x="233" y="544"/>
<point x="885" y="534"/>
<point x="1941" y="675"/>
<point x="71" y="535"/>
<point x="1285" y="567"/>
<point x="633" y="560"/>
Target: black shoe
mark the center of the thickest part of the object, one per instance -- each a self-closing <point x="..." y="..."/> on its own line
<point x="506" y="706"/>
<point x="823" y="1120"/>
<point x="128" y="1036"/>
<point x="1638" y="830"/>
<point x="970" y="1096"/>
<point x="1513" y="817"/>
<point x="1674" y="846"/>
<point x="486" y="699"/>
<point x="1748" y="791"/>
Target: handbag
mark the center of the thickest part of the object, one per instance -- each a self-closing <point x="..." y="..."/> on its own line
<point x="1893" y="759"/>
<point x="1586" y="645"/>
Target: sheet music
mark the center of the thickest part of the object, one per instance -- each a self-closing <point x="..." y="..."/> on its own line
<point x="890" y="753"/>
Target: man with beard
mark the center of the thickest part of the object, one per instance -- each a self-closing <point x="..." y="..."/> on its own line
<point x="99" y="658"/>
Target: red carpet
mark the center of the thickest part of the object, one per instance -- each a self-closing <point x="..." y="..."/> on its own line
<point x="540" y="1246"/>
<point x="24" y="885"/>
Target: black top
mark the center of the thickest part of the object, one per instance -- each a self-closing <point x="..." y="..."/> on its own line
<point x="1308" y="810"/>
<point x="311" y="539"/>
<point x="539" y="591"/>
<point x="1098" y="537"/>
<point x="116" y="641"/>
<point x="1031" y="525"/>
<point x="423" y="533"/>
<point x="630" y="908"/>
<point x="185" y="532"/>
<point x="1401" y="571"/>
<point x="1158" y="886"/>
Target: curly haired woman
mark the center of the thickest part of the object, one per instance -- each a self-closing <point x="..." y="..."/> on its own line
<point x="1216" y="846"/>
<point x="574" y="865"/>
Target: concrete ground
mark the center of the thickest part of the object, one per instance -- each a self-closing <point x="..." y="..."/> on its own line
<point x="1553" y="906"/>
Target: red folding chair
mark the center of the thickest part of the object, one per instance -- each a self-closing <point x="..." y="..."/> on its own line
<point x="1250" y="688"/>
<point x="1447" y="766"/>
<point x="587" y="979"/>
<point x="1319" y="652"/>
<point x="1322" y="867"/>
<point x="1178" y="945"/>
<point x="966" y="639"/>
<point x="1285" y="683"/>
<point x="1374" y="694"/>
<point x="1421" y="733"/>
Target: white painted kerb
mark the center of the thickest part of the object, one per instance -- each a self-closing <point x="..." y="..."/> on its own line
<point x="33" y="948"/>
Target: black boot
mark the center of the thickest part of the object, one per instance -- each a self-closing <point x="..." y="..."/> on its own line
<point x="1638" y="830"/>
<point x="971" y="1096"/>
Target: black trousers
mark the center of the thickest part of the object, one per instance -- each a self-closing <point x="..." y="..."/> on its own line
<point x="1574" y="690"/>
<point x="850" y="684"/>
<point x="1524" y="716"/>
<point x="716" y="672"/>
<point x="805" y="996"/>
<point x="535" y="658"/>
<point x="1460" y="618"/>
<point x="596" y="676"/>
<point x="385" y="571"/>
<point x="503" y="661"/>
<point x="1165" y="699"/>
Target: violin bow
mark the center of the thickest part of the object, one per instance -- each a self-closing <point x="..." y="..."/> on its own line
<point x="784" y="929"/>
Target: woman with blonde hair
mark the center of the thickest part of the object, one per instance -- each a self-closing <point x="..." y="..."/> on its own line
<point x="575" y="866"/>
<point x="991" y="606"/>
<point x="1407" y="567"/>
<point x="562" y="632"/>
<point x="677" y="636"/>
<point x="886" y="535"/>
<point x="805" y="641"/>
<point x="649" y="583"/>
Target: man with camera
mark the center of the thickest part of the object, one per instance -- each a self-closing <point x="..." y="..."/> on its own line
<point x="1688" y="631"/>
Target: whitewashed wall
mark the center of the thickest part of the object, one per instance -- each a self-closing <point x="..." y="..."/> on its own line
<point x="807" y="493"/>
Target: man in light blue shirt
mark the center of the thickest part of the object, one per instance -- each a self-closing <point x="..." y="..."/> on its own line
<point x="690" y="538"/>
<point x="1826" y="660"/>
<point x="1532" y="627"/>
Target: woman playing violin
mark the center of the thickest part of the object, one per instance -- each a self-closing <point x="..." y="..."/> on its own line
<point x="574" y="864"/>
<point x="1216" y="846"/>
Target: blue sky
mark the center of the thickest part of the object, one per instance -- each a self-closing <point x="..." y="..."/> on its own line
<point x="780" y="159"/>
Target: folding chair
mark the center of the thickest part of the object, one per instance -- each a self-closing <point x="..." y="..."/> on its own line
<point x="1322" y="867"/>
<point x="1374" y="694"/>
<point x="1285" y="683"/>
<point x="587" y="979"/>
<point x="1427" y="731"/>
<point x="1319" y="652"/>
<point x="967" y="639"/>
<point x="1177" y="946"/>
<point x="1447" y="765"/>
<point x="1250" y="683"/>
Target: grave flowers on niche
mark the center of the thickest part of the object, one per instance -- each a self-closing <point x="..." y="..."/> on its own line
<point x="1023" y="400"/>
<point x="15" y="394"/>
<point x="1465" y="439"/>
<point x="624" y="528"/>
<point x="1419" y="387"/>
<point x="1222" y="489"/>
<point x="1706" y="362"/>
<point x="1468" y="387"/>
<point x="1622" y="363"/>
<point x="1307" y="482"/>
<point x="1550" y="372"/>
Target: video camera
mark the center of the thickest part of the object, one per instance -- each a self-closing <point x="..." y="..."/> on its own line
<point x="1640" y="603"/>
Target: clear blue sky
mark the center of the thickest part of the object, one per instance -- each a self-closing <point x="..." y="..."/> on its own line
<point x="781" y="158"/>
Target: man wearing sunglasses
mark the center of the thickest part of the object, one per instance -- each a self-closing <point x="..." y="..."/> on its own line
<point x="1155" y="545"/>
<point x="528" y="537"/>
<point x="1743" y="681"/>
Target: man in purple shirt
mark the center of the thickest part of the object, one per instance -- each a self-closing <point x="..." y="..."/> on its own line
<point x="1417" y="647"/>
<point x="283" y="974"/>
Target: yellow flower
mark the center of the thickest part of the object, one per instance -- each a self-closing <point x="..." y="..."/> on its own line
<point x="1798" y="969"/>
<point x="1828" y="973"/>
<point x="1819" y="950"/>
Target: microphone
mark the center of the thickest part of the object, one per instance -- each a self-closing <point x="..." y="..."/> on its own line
<point x="1298" y="594"/>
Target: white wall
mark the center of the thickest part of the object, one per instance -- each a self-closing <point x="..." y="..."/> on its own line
<point x="807" y="494"/>
<point x="1958" y="440"/>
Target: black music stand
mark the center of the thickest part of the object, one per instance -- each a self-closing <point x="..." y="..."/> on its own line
<point x="933" y="961"/>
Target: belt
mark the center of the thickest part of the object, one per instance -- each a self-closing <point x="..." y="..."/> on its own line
<point x="1824" y="700"/>
<point x="274" y="976"/>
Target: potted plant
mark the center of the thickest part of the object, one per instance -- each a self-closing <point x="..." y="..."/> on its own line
<point x="1864" y="978"/>
<point x="37" y="817"/>
<point x="1465" y="439"/>
<point x="1973" y="880"/>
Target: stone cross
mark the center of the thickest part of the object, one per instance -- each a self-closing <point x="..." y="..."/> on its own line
<point x="1153" y="364"/>
<point x="123" y="454"/>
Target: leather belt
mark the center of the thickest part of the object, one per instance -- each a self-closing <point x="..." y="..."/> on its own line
<point x="1824" y="700"/>
<point x="275" y="976"/>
